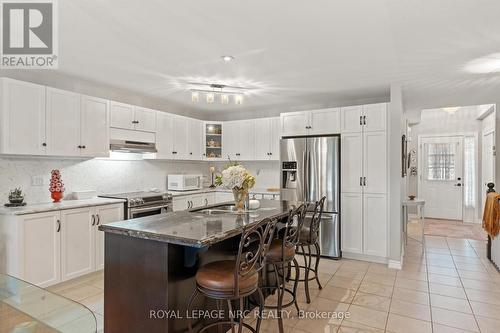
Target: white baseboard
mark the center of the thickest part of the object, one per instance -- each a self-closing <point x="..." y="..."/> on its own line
<point x="364" y="257"/>
<point x="395" y="264"/>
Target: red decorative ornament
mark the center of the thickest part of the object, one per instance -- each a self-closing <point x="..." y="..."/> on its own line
<point x="56" y="186"/>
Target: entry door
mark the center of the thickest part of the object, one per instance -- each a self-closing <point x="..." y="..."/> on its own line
<point x="488" y="161"/>
<point x="441" y="177"/>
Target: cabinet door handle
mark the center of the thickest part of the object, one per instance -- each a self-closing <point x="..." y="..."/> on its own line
<point x="98" y="219"/>
<point x="44" y="144"/>
<point x="364" y="120"/>
<point x="364" y="181"/>
<point x="360" y="120"/>
<point x="58" y="225"/>
<point x="80" y="147"/>
<point x="93" y="220"/>
<point x="360" y="181"/>
<point x="84" y="146"/>
<point x="206" y="202"/>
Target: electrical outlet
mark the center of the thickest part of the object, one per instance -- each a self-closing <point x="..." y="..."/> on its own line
<point x="36" y="181"/>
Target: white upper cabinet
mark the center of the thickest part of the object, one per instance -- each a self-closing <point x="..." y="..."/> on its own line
<point x="351" y="162"/>
<point x="315" y="122"/>
<point x="267" y="138"/>
<point x="132" y="117"/>
<point x="145" y="119"/>
<point x="63" y="123"/>
<point x="239" y="140"/>
<point x="195" y="139"/>
<point x="375" y="116"/>
<point x="180" y="138"/>
<point x="324" y="121"/>
<point x="122" y="115"/>
<point x="294" y="123"/>
<point x="352" y="119"/>
<point x="22" y="118"/>
<point x="375" y="162"/>
<point x="164" y="135"/>
<point x="367" y="118"/>
<point x="246" y="138"/>
<point x="94" y="138"/>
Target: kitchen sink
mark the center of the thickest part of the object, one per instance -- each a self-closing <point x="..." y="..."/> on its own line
<point x="218" y="210"/>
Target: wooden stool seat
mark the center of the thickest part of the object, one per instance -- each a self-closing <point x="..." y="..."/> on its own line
<point x="274" y="254"/>
<point x="217" y="279"/>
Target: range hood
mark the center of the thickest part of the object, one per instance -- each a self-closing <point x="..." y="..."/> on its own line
<point x="130" y="141"/>
<point x="128" y="146"/>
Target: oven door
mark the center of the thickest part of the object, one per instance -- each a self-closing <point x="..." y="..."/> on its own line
<point x="137" y="212"/>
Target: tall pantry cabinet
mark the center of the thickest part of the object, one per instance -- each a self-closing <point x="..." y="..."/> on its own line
<point x="364" y="181"/>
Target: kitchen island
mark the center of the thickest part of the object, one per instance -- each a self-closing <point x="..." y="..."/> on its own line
<point x="151" y="262"/>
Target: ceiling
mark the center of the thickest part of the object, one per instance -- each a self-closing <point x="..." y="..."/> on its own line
<point x="292" y="53"/>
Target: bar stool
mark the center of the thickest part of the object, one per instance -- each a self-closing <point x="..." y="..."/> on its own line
<point x="228" y="280"/>
<point x="309" y="236"/>
<point x="281" y="254"/>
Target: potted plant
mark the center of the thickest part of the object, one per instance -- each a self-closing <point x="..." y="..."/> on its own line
<point x="16" y="196"/>
<point x="237" y="179"/>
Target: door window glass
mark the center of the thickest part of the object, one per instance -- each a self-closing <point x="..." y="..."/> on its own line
<point x="441" y="161"/>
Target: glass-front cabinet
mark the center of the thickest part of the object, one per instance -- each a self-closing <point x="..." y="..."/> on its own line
<point x="213" y="140"/>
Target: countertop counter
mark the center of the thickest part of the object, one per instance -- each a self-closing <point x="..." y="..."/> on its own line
<point x="218" y="189"/>
<point x="50" y="206"/>
<point x="194" y="228"/>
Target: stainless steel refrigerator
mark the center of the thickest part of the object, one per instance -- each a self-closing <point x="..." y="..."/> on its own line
<point x="310" y="169"/>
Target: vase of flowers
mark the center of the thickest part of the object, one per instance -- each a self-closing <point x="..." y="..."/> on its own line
<point x="56" y="186"/>
<point x="237" y="179"/>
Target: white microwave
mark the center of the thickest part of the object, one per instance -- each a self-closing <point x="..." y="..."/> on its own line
<point x="184" y="182"/>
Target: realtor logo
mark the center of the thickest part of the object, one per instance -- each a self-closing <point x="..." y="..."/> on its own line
<point x="29" y="34"/>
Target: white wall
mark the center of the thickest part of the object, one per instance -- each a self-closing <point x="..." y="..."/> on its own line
<point x="109" y="176"/>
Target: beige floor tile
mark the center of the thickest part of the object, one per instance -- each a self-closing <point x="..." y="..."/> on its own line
<point x="439" y="257"/>
<point x="350" y="274"/>
<point x="438" y="250"/>
<point x="437" y="328"/>
<point x="319" y="325"/>
<point x="339" y="281"/>
<point x="401" y="324"/>
<point x="80" y="292"/>
<point x="446" y="280"/>
<point x="450" y="303"/>
<point x="442" y="289"/>
<point x="352" y="327"/>
<point x="442" y="270"/>
<point x="483" y="296"/>
<point x="375" y="288"/>
<point x="441" y="263"/>
<point x="356" y="265"/>
<point x="422" y="276"/>
<point x="381" y="269"/>
<point x="372" y="301"/>
<point x="387" y="280"/>
<point x="488" y="325"/>
<point x="464" y="252"/>
<point x="413" y="268"/>
<point x="94" y="303"/>
<point x="474" y="267"/>
<point x="454" y="319"/>
<point x="485" y="310"/>
<point x="412" y="284"/>
<point x="474" y="275"/>
<point x="480" y="285"/>
<point x="463" y="259"/>
<point x="366" y="316"/>
<point x="411" y="296"/>
<point x="337" y="294"/>
<point x="412" y="310"/>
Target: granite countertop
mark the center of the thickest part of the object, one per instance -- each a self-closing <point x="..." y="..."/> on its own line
<point x="50" y="206"/>
<point x="217" y="189"/>
<point x="194" y="228"/>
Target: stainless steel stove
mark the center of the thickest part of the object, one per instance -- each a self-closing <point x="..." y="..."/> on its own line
<point x="139" y="204"/>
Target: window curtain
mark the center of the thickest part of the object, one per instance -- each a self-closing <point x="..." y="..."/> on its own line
<point x="441" y="161"/>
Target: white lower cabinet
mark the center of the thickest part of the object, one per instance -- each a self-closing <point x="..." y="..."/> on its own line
<point x="48" y="248"/>
<point x="364" y="231"/>
<point x="186" y="202"/>
<point x="352" y="222"/>
<point x="37" y="257"/>
<point x="104" y="214"/>
<point x="77" y="242"/>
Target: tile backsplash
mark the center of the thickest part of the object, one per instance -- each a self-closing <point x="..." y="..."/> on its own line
<point x="109" y="176"/>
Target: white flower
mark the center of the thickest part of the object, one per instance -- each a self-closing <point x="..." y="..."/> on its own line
<point x="235" y="177"/>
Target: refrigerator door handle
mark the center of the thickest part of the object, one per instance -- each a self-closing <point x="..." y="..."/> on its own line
<point x="305" y="175"/>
